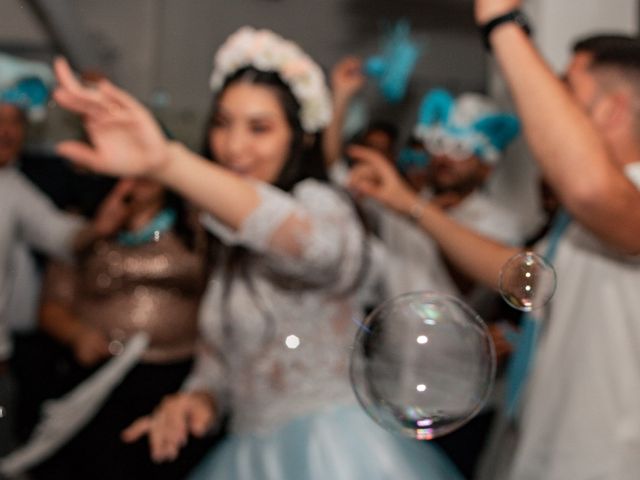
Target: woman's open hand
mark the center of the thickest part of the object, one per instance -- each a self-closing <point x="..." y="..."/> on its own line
<point x="171" y="423"/>
<point x="125" y="138"/>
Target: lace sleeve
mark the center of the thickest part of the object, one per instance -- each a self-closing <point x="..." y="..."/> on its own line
<point x="209" y="375"/>
<point x="313" y="235"/>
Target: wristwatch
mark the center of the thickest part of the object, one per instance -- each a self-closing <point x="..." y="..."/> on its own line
<point x="515" y="16"/>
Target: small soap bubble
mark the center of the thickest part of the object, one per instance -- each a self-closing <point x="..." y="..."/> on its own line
<point x="527" y="281"/>
<point x="116" y="347"/>
<point x="118" y="338"/>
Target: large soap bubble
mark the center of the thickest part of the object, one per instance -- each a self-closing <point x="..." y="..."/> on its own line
<point x="423" y="364"/>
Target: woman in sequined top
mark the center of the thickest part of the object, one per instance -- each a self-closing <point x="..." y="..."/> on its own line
<point x="278" y="313"/>
<point x="149" y="277"/>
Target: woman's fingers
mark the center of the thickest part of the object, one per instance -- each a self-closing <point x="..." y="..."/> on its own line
<point x="80" y="153"/>
<point x="174" y="426"/>
<point x="169" y="432"/>
<point x="368" y="156"/>
<point x="95" y="102"/>
<point x="169" y="426"/>
<point x="123" y="188"/>
<point x="65" y="75"/>
<point x="200" y="419"/>
<point x="136" y="430"/>
<point x="80" y="103"/>
<point x="117" y="96"/>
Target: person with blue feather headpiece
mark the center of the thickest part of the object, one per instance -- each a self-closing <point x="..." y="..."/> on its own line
<point x="566" y="413"/>
<point x="462" y="140"/>
<point x="28" y="220"/>
<point x="25" y="84"/>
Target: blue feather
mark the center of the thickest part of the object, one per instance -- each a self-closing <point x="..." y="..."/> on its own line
<point x="392" y="69"/>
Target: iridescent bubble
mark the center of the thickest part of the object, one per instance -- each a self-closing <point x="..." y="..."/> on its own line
<point x="423" y="364"/>
<point x="117" y="341"/>
<point x="527" y="281"/>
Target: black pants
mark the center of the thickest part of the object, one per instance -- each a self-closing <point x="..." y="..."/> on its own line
<point x="97" y="452"/>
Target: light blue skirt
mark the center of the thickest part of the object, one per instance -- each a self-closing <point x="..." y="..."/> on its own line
<point x="338" y="444"/>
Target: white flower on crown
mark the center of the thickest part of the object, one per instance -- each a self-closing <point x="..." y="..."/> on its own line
<point x="267" y="51"/>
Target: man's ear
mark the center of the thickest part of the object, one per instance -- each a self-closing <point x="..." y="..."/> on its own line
<point x="616" y="111"/>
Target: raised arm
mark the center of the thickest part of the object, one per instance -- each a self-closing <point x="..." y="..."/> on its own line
<point x="127" y="141"/>
<point x="312" y="235"/>
<point x="347" y="79"/>
<point x="564" y="140"/>
<point x="477" y="256"/>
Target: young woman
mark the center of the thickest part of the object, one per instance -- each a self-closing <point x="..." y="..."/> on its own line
<point x="278" y="312"/>
<point x="149" y="276"/>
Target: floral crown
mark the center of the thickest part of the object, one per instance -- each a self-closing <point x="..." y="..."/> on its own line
<point x="267" y="51"/>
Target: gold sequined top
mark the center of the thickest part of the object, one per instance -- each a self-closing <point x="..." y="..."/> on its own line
<point x="155" y="287"/>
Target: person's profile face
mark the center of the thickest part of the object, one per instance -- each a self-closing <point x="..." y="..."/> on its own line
<point x="146" y="192"/>
<point x="250" y="133"/>
<point x="13" y="131"/>
<point x="447" y="173"/>
<point x="379" y="140"/>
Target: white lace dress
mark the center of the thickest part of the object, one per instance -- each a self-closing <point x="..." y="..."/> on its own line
<point x="280" y="333"/>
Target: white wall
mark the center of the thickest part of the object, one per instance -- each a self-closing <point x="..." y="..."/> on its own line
<point x="168" y="45"/>
<point x="17" y="25"/>
<point x="560" y="23"/>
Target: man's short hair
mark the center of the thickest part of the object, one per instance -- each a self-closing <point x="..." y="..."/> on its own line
<point x="617" y="58"/>
<point x="625" y="57"/>
<point x="603" y="41"/>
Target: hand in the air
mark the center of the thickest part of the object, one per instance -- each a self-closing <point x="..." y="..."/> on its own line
<point x="114" y="210"/>
<point x="374" y="176"/>
<point x="125" y="138"/>
<point x="347" y="77"/>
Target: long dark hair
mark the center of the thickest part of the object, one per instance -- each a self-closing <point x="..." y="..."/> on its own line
<point x="305" y="161"/>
